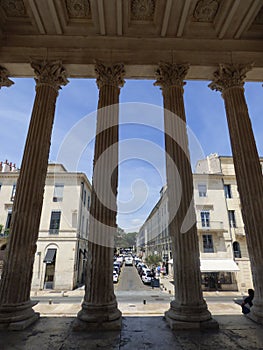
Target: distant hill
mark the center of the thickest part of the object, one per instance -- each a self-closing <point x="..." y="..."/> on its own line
<point x="123" y="239"/>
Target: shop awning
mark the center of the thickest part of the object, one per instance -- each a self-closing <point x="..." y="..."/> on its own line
<point x="50" y="256"/>
<point x="216" y="265"/>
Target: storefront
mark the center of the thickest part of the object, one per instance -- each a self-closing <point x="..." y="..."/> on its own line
<point x="219" y="274"/>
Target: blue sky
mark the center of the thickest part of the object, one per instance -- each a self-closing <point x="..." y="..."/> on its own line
<point x="142" y="166"/>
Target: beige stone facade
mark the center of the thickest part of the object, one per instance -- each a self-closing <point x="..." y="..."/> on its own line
<point x="67" y="201"/>
<point x="219" y="225"/>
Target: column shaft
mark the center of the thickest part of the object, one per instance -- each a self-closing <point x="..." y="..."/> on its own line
<point x="15" y="304"/>
<point x="229" y="79"/>
<point x="99" y="309"/>
<point x="189" y="306"/>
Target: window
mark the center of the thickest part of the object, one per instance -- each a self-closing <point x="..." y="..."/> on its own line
<point x="54" y="222"/>
<point x="58" y="193"/>
<point x="74" y="219"/>
<point x="236" y="249"/>
<point x="208" y="244"/>
<point x="84" y="197"/>
<point x="227" y="189"/>
<point x="202" y="190"/>
<point x="8" y="221"/>
<point x="87" y="227"/>
<point x="88" y="202"/>
<point x="232" y="218"/>
<point x="13" y="193"/>
<point x="213" y="280"/>
<point x="205" y="218"/>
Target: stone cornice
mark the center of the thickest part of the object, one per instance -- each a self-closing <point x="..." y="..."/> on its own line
<point x="139" y="55"/>
<point x="170" y="74"/>
<point x="229" y="75"/>
<point x="4" y="80"/>
<point x="109" y="74"/>
<point x="49" y="73"/>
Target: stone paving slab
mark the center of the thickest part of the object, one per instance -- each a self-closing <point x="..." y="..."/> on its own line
<point x="136" y="309"/>
<point x="236" y="332"/>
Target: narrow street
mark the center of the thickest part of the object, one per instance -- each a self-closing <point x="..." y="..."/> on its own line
<point x="130" y="289"/>
<point x="130" y="280"/>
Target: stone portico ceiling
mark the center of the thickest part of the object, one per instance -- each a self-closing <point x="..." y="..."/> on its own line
<point x="138" y="33"/>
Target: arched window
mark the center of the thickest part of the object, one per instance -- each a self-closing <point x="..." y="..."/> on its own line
<point x="236" y="249"/>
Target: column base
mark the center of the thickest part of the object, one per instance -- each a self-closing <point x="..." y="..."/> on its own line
<point x="255" y="315"/>
<point x="83" y="326"/>
<point x="190" y="317"/>
<point x="184" y="325"/>
<point x="17" y="317"/>
<point x="105" y="317"/>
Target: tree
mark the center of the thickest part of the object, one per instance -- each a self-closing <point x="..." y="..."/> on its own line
<point x="153" y="259"/>
<point x="123" y="239"/>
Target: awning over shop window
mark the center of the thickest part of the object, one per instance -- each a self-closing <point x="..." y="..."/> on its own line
<point x="50" y="256"/>
<point x="216" y="265"/>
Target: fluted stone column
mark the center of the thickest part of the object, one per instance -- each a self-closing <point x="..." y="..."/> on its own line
<point x="99" y="309"/>
<point x="4" y="80"/>
<point x="15" y="305"/>
<point x="188" y="309"/>
<point x="229" y="79"/>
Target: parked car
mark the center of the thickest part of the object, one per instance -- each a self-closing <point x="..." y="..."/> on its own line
<point x="128" y="261"/>
<point x="115" y="277"/>
<point x="116" y="267"/>
<point x="137" y="261"/>
<point x="140" y="268"/>
<point x="140" y="265"/>
<point x="120" y="260"/>
<point x="147" y="276"/>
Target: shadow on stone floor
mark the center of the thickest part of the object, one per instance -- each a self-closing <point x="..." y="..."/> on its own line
<point x="146" y="332"/>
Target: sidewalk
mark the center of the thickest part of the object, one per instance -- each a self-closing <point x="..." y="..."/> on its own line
<point x="136" y="309"/>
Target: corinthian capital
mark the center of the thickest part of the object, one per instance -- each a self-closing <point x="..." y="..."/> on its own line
<point x="49" y="73"/>
<point x="4" y="80"/>
<point x="109" y="75"/>
<point x="229" y="75"/>
<point x="170" y="74"/>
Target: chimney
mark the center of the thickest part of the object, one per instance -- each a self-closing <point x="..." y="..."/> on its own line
<point x="6" y="167"/>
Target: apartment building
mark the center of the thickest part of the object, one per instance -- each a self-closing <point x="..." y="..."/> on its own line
<point x="224" y="256"/>
<point x="63" y="234"/>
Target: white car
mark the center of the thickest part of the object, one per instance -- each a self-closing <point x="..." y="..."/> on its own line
<point x="128" y="261"/>
<point x="115" y="277"/>
<point x="147" y="276"/>
<point x="119" y="260"/>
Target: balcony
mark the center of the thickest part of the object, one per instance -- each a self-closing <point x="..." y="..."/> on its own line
<point x="211" y="226"/>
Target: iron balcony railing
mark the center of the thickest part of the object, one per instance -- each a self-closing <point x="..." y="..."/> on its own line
<point x="210" y="225"/>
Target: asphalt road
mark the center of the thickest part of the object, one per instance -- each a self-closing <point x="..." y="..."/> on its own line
<point x="130" y="289"/>
<point x="130" y="281"/>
